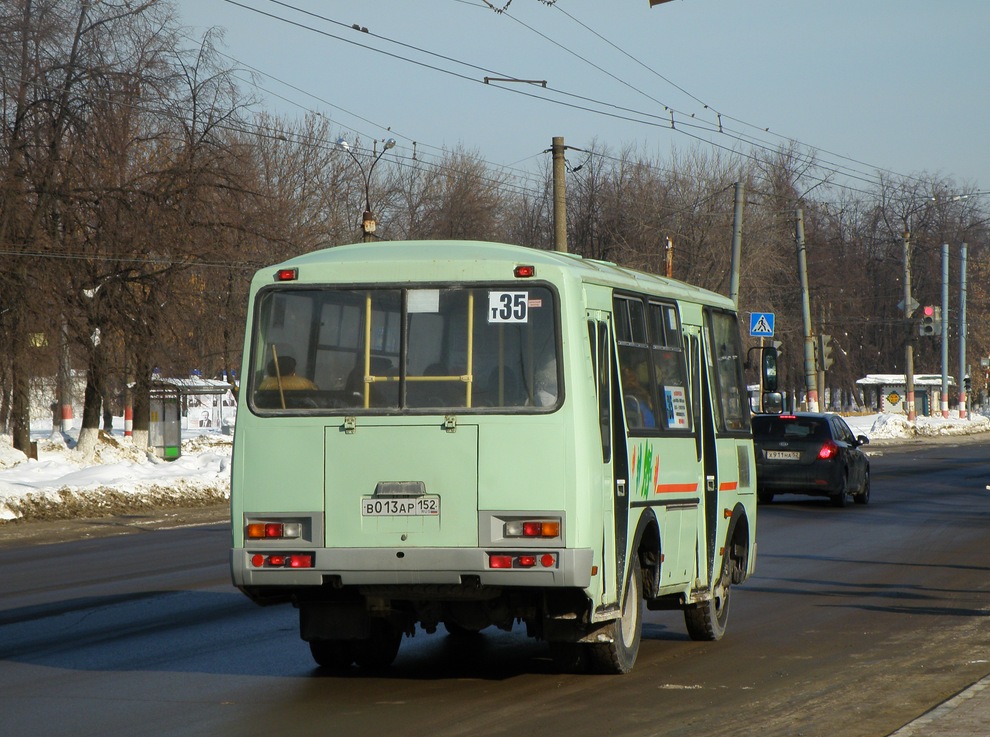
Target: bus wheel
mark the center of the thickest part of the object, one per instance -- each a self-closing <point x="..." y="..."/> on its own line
<point x="379" y="650"/>
<point x="570" y="657"/>
<point x="706" y="620"/>
<point x="336" y="654"/>
<point x="619" y="655"/>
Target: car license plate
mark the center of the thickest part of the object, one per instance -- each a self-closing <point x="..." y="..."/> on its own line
<point x="783" y="455"/>
<point x="418" y="506"/>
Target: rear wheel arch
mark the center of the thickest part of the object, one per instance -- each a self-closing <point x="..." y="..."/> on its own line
<point x="737" y="543"/>
<point x="647" y="552"/>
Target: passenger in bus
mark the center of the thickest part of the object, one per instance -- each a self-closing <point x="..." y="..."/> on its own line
<point x="638" y="406"/>
<point x="546" y="384"/>
<point x="284" y="376"/>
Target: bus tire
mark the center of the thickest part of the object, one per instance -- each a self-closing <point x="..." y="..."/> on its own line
<point x="379" y="650"/>
<point x="619" y="655"/>
<point x="706" y="620"/>
<point x="336" y="654"/>
<point x="570" y="657"/>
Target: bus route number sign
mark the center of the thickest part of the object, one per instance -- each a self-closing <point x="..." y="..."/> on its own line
<point x="508" y="307"/>
<point x="417" y="506"/>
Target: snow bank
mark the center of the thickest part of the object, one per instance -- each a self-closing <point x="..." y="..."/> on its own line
<point x="122" y="478"/>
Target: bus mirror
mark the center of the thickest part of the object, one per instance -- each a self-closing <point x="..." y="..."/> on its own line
<point x="773" y="403"/>
<point x="768" y="363"/>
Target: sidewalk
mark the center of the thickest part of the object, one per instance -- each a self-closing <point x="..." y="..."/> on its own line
<point x="967" y="714"/>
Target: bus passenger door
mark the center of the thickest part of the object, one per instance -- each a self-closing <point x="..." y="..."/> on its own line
<point x="704" y="428"/>
<point x="615" y="475"/>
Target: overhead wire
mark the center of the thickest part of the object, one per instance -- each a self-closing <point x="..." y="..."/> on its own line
<point x="620" y="112"/>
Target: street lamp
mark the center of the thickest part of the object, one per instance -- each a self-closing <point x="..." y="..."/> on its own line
<point x="368" y="218"/>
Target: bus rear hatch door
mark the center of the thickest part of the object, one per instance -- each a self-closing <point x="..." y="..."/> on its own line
<point x="413" y="485"/>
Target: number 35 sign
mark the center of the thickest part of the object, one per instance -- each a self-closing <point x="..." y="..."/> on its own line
<point x="508" y="306"/>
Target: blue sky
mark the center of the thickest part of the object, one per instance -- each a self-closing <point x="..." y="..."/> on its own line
<point x="897" y="85"/>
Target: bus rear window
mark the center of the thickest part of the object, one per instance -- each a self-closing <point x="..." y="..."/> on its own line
<point x="349" y="350"/>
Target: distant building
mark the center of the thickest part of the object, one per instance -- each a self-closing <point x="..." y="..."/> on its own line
<point x="891" y="392"/>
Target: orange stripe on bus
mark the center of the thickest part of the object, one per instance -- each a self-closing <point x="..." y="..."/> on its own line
<point x="676" y="488"/>
<point x="728" y="486"/>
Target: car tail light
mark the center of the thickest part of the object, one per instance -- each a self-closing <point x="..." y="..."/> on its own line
<point x="829" y="450"/>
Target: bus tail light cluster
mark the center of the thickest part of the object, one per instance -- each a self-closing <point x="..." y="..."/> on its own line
<point x="535" y="528"/>
<point x="273" y="531"/>
<point x="522" y="560"/>
<point x="283" y="560"/>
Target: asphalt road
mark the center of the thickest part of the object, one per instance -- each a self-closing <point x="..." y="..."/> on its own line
<point x="858" y="620"/>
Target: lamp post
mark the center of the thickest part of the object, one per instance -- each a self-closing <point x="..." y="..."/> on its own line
<point x="368" y="218"/>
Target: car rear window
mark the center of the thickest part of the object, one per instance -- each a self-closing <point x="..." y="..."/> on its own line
<point x="790" y="428"/>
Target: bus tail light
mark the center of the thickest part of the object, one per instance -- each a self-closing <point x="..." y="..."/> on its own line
<point x="273" y="531"/>
<point x="522" y="560"/>
<point x="524" y="271"/>
<point x="283" y="560"/>
<point x="535" y="528"/>
<point x="286" y="274"/>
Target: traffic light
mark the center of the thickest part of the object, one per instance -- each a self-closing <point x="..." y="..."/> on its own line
<point x="931" y="320"/>
<point x="823" y="351"/>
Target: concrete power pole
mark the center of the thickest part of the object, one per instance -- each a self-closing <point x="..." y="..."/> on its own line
<point x="944" y="403"/>
<point x="912" y="415"/>
<point x="559" y="196"/>
<point x="962" y="333"/>
<point x="737" y="223"/>
<point x="810" y="377"/>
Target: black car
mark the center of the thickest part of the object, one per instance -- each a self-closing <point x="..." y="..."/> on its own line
<point x="810" y="453"/>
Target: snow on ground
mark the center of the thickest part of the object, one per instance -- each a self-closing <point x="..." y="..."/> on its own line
<point x="121" y="478"/>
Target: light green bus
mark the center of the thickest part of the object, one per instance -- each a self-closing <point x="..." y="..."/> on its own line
<point x="463" y="434"/>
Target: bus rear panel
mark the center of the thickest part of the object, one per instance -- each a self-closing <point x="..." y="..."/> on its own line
<point x="444" y="434"/>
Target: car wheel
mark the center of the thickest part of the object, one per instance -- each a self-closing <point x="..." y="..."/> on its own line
<point x="839" y="499"/>
<point x="863" y="497"/>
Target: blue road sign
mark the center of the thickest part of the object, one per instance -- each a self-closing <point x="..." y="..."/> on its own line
<point x="761" y="324"/>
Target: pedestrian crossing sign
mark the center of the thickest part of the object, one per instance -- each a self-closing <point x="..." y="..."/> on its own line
<point x="761" y="324"/>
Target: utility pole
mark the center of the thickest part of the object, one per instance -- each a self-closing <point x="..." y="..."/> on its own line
<point x="962" y="333"/>
<point x="559" y="196"/>
<point x="64" y="381"/>
<point x="945" y="332"/>
<point x="909" y="343"/>
<point x="737" y="224"/>
<point x="810" y="378"/>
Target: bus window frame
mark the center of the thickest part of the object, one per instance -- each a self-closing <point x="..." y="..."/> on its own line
<point x="722" y="428"/>
<point x="257" y="363"/>
<point x="653" y="343"/>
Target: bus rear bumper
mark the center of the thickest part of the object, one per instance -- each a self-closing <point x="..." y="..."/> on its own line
<point x="571" y="568"/>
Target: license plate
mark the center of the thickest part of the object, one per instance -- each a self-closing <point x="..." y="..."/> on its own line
<point x="420" y="506"/>
<point x="783" y="455"/>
